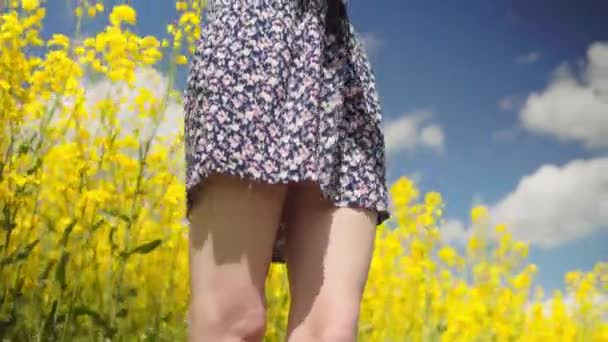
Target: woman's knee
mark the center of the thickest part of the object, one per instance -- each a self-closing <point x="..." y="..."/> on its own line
<point x="229" y="312"/>
<point x="343" y="329"/>
<point x="330" y="331"/>
<point x="335" y="320"/>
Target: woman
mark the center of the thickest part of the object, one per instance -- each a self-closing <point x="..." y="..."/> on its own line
<point x="285" y="163"/>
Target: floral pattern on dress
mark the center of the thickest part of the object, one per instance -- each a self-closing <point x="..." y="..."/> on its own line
<point x="270" y="97"/>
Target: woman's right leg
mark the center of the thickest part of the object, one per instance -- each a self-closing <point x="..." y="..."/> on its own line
<point x="232" y="230"/>
<point x="329" y="250"/>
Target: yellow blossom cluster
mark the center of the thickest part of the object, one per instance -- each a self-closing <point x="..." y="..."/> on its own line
<point x="93" y="244"/>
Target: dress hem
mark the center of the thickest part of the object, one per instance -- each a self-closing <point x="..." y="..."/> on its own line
<point x="382" y="213"/>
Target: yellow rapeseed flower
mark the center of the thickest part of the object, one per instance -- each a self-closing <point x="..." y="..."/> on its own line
<point x="448" y="255"/>
<point x="60" y="40"/>
<point x="479" y="213"/>
<point x="181" y="5"/>
<point x="30" y="5"/>
<point x="123" y="14"/>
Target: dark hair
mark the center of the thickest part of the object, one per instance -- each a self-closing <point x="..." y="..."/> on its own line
<point x="336" y="17"/>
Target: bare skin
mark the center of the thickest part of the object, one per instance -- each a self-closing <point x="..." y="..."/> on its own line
<point x="328" y="255"/>
<point x="233" y="228"/>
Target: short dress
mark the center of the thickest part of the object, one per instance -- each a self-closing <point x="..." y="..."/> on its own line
<point x="271" y="96"/>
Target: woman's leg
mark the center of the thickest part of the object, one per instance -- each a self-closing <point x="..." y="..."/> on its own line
<point x="233" y="227"/>
<point x="329" y="250"/>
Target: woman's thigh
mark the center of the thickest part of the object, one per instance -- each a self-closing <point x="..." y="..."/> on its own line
<point x="233" y="224"/>
<point x="329" y="250"/>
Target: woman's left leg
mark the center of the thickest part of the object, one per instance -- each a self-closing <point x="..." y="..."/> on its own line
<point x="328" y="254"/>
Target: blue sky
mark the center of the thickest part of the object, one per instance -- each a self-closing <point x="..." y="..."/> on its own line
<point x="472" y="66"/>
<point x="456" y="81"/>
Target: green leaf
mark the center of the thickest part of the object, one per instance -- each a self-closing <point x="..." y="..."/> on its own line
<point x="24" y="148"/>
<point x="122" y="313"/>
<point x="51" y="225"/>
<point x="146" y="247"/>
<point x="84" y="311"/>
<point x="21" y="255"/>
<point x="98" y="224"/>
<point x="8" y="225"/>
<point x="115" y="213"/>
<point x="48" y="330"/>
<point x="17" y="290"/>
<point x="125" y="295"/>
<point x="45" y="274"/>
<point x="97" y="319"/>
<point x="60" y="272"/>
<point x="67" y="231"/>
<point x="5" y="325"/>
<point x="34" y="167"/>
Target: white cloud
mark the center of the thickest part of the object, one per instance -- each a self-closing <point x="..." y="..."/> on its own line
<point x="552" y="206"/>
<point x="454" y="231"/>
<point x="597" y="69"/>
<point x="573" y="109"/>
<point x="170" y="121"/>
<point x="371" y="42"/>
<point x="432" y="136"/>
<point x="411" y="131"/>
<point x="599" y="300"/>
<point x="510" y="103"/>
<point x="529" y="58"/>
<point x="556" y="204"/>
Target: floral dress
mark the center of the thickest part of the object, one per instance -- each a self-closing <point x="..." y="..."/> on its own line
<point x="272" y="97"/>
